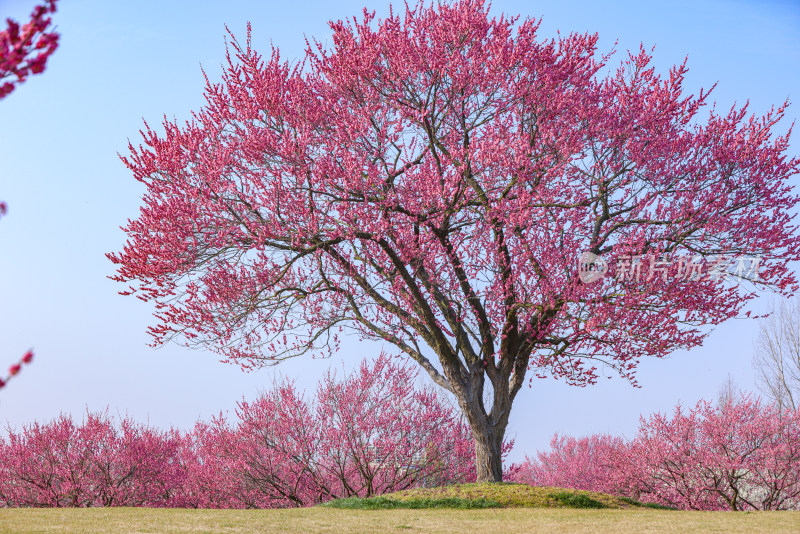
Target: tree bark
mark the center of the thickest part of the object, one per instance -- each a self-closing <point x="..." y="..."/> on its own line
<point x="488" y="453"/>
<point x="488" y="429"/>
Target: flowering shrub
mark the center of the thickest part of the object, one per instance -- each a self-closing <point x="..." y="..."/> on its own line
<point x="366" y="434"/>
<point x="370" y="433"/>
<point x="95" y="463"/>
<point x="582" y="463"/>
<point x="740" y="455"/>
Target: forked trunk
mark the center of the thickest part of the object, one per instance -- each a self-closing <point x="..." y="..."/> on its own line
<point x="488" y="431"/>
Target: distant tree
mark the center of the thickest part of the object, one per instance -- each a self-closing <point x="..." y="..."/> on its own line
<point x="741" y="454"/>
<point x="587" y="463"/>
<point x="728" y="391"/>
<point x="431" y="180"/>
<point x="94" y="463"/>
<point x="365" y="434"/>
<point x="777" y="355"/>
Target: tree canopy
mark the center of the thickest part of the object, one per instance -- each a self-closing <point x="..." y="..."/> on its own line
<point x="431" y="179"/>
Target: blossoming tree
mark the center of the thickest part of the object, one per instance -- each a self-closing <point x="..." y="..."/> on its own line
<point x="741" y="454"/>
<point x="430" y="180"/>
<point x="363" y="434"/>
<point x="366" y="434"/>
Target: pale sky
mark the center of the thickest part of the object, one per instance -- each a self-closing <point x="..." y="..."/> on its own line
<point x="121" y="62"/>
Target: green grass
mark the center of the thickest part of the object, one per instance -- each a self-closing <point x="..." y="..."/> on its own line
<point x="510" y="495"/>
<point x="385" y="503"/>
<point x="500" y="495"/>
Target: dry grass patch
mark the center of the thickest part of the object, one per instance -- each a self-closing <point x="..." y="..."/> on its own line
<point x="324" y="520"/>
<point x="526" y="509"/>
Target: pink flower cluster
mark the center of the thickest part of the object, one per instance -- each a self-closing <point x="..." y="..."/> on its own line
<point x="24" y="50"/>
<point x="741" y="455"/>
<point x="368" y="433"/>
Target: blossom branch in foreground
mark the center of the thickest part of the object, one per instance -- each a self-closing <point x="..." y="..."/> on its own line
<point x="16" y="368"/>
<point x="17" y="59"/>
<point x="24" y="50"/>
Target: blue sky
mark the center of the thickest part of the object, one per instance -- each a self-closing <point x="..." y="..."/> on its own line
<point x="120" y="62"/>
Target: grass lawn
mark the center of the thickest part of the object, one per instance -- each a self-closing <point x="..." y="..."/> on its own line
<point x="512" y="508"/>
<point x="508" y="520"/>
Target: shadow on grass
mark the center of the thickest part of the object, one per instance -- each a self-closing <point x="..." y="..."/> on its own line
<point x="384" y="503"/>
<point x="646" y="504"/>
<point x="573" y="500"/>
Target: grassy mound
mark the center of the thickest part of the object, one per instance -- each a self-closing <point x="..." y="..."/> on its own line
<point x="385" y="503"/>
<point x="498" y="495"/>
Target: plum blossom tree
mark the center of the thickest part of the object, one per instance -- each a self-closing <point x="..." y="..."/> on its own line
<point x="95" y="463"/>
<point x="385" y="434"/>
<point x="430" y="180"/>
<point x="370" y="433"/>
<point x="367" y="433"/>
<point x="739" y="454"/>
<point x="587" y="463"/>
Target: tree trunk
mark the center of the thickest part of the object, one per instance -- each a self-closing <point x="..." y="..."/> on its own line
<point x="488" y="448"/>
<point x="488" y="429"/>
